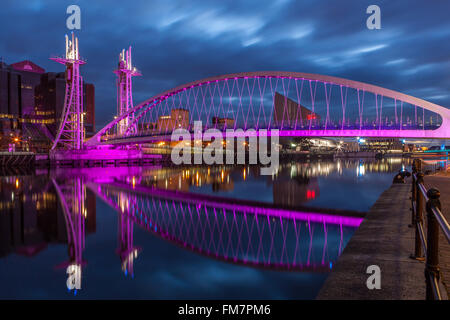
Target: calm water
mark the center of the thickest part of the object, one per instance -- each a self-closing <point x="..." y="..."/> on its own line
<point x="163" y="233"/>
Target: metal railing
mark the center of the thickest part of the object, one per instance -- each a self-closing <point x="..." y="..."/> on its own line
<point x="435" y="166"/>
<point x="421" y="199"/>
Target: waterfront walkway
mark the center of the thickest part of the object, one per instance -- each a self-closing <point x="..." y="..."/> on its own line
<point x="383" y="239"/>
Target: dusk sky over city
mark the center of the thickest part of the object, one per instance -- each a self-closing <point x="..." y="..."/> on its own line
<point x="180" y="41"/>
<point x="205" y="152"/>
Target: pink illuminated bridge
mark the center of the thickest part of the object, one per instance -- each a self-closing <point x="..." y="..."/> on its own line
<point x="297" y="104"/>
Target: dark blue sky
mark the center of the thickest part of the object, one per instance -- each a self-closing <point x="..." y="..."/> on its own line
<point x="180" y="41"/>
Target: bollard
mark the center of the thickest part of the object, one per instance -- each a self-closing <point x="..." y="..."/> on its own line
<point x="405" y="173"/>
<point x="398" y="179"/>
<point x="432" y="262"/>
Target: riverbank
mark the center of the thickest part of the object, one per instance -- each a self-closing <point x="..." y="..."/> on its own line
<point x="383" y="239"/>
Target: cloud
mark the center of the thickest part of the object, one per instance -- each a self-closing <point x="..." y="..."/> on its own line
<point x="366" y="49"/>
<point x="396" y="61"/>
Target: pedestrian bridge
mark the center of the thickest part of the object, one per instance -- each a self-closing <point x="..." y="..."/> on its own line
<point x="297" y="104"/>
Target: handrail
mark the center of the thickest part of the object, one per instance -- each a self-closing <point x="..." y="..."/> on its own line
<point x="429" y="242"/>
<point x="424" y="191"/>
<point x="442" y="223"/>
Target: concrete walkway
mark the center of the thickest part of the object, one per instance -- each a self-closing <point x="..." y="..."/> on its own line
<point x="383" y="239"/>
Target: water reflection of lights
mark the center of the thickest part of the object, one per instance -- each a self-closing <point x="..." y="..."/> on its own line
<point x="128" y="262"/>
<point x="310" y="194"/>
<point x="219" y="176"/>
<point x="133" y="180"/>
<point x="360" y="170"/>
<point x="394" y="160"/>
<point x="293" y="171"/>
<point x="326" y="167"/>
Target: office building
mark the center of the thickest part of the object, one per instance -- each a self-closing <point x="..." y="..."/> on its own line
<point x="31" y="106"/>
<point x="290" y="114"/>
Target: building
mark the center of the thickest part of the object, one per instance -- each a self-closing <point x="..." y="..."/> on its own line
<point x="31" y="106"/>
<point x="295" y="191"/>
<point x="178" y="119"/>
<point x="48" y="95"/>
<point x="290" y="114"/>
<point x="31" y="216"/>
<point x="222" y="123"/>
<point x="30" y="77"/>
<point x="10" y="99"/>
<point x="308" y="144"/>
<point x="380" y="144"/>
<point x="349" y="146"/>
<point x="89" y="107"/>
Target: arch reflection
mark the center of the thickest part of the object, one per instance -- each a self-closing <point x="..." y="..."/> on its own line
<point x="234" y="231"/>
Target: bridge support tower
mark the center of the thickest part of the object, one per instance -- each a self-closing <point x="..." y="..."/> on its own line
<point x="125" y="72"/>
<point x="70" y="135"/>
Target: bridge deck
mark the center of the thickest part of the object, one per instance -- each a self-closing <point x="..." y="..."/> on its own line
<point x="383" y="239"/>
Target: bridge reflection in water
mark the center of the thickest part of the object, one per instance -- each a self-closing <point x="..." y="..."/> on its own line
<point x="242" y="232"/>
<point x="215" y="212"/>
<point x="233" y="231"/>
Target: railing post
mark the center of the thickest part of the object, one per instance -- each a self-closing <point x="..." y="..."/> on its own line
<point x="419" y="165"/>
<point x="415" y="169"/>
<point x="432" y="262"/>
<point x="418" y="219"/>
<point x="413" y="194"/>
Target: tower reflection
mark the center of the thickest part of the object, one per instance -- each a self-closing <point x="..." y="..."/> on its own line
<point x="72" y="196"/>
<point x="126" y="250"/>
